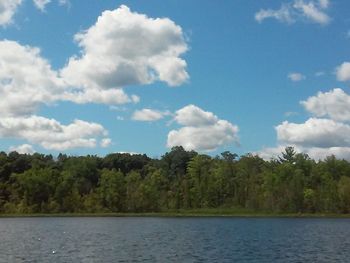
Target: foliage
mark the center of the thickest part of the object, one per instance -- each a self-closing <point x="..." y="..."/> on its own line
<point x="179" y="180"/>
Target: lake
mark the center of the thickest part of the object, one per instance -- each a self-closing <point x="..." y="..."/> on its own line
<point x="146" y="239"/>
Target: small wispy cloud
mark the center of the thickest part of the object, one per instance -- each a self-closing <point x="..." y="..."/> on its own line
<point x="320" y="73"/>
<point x="313" y="11"/>
<point x="291" y="113"/>
<point x="149" y="115"/>
<point x="295" y="76"/>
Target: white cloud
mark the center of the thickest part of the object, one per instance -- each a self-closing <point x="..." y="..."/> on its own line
<point x="26" y="79"/>
<point x="324" y="3"/>
<point x="7" y="11"/>
<point x="149" y="115"/>
<point x="119" y="40"/>
<point x="8" y="8"/>
<point x="64" y="2"/>
<point x="203" y="130"/>
<point x="121" y="48"/>
<point x="319" y="73"/>
<point x="41" y="4"/>
<point x="322" y="133"/>
<point x="290" y="113"/>
<point x="283" y="14"/>
<point x="295" y="76"/>
<point x="343" y="72"/>
<point x="111" y="96"/>
<point x="315" y="153"/>
<point x="313" y="11"/>
<point x="191" y="115"/>
<point x="334" y="104"/>
<point x="51" y="134"/>
<point x="268" y="153"/>
<point x="318" y="137"/>
<point x="105" y="142"/>
<point x="124" y="48"/>
<point x="23" y="149"/>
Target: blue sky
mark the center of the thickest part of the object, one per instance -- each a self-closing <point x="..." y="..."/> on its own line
<point x="210" y="76"/>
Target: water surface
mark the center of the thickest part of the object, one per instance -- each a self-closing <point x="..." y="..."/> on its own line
<point x="174" y="240"/>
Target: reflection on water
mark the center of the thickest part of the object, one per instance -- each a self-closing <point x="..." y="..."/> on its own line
<point x="174" y="240"/>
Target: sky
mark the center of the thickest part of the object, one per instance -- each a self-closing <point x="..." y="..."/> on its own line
<point x="96" y="77"/>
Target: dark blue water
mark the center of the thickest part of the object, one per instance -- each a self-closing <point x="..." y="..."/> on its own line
<point x="174" y="240"/>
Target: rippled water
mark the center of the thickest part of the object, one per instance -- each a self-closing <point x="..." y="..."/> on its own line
<point x="174" y="240"/>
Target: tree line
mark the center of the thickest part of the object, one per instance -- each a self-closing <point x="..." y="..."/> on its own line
<point x="180" y="179"/>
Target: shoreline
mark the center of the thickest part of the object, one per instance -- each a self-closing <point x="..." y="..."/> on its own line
<point x="182" y="213"/>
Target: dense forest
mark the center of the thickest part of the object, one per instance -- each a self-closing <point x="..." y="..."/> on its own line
<point x="292" y="183"/>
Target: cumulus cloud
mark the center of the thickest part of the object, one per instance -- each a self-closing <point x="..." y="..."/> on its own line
<point x="314" y="11"/>
<point x="322" y="133"/>
<point x="122" y="48"/>
<point x="26" y="79"/>
<point x="334" y="104"/>
<point x="192" y="115"/>
<point x="125" y="48"/>
<point x="7" y="11"/>
<point x="295" y="76"/>
<point x="149" y="115"/>
<point x="318" y="137"/>
<point x="23" y="149"/>
<point x="315" y="153"/>
<point x="202" y="131"/>
<point x="51" y="134"/>
<point x="343" y="72"/>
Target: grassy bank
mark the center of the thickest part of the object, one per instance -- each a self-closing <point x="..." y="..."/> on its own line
<point x="188" y="213"/>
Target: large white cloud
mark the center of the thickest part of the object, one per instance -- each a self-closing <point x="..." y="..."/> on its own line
<point x="318" y="137"/>
<point x="118" y="47"/>
<point x="51" y="134"/>
<point x="313" y="11"/>
<point x="322" y="133"/>
<point x="124" y="48"/>
<point x="121" y="48"/>
<point x="334" y="104"/>
<point x="315" y="153"/>
<point x="202" y="131"/>
<point x="26" y="79"/>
